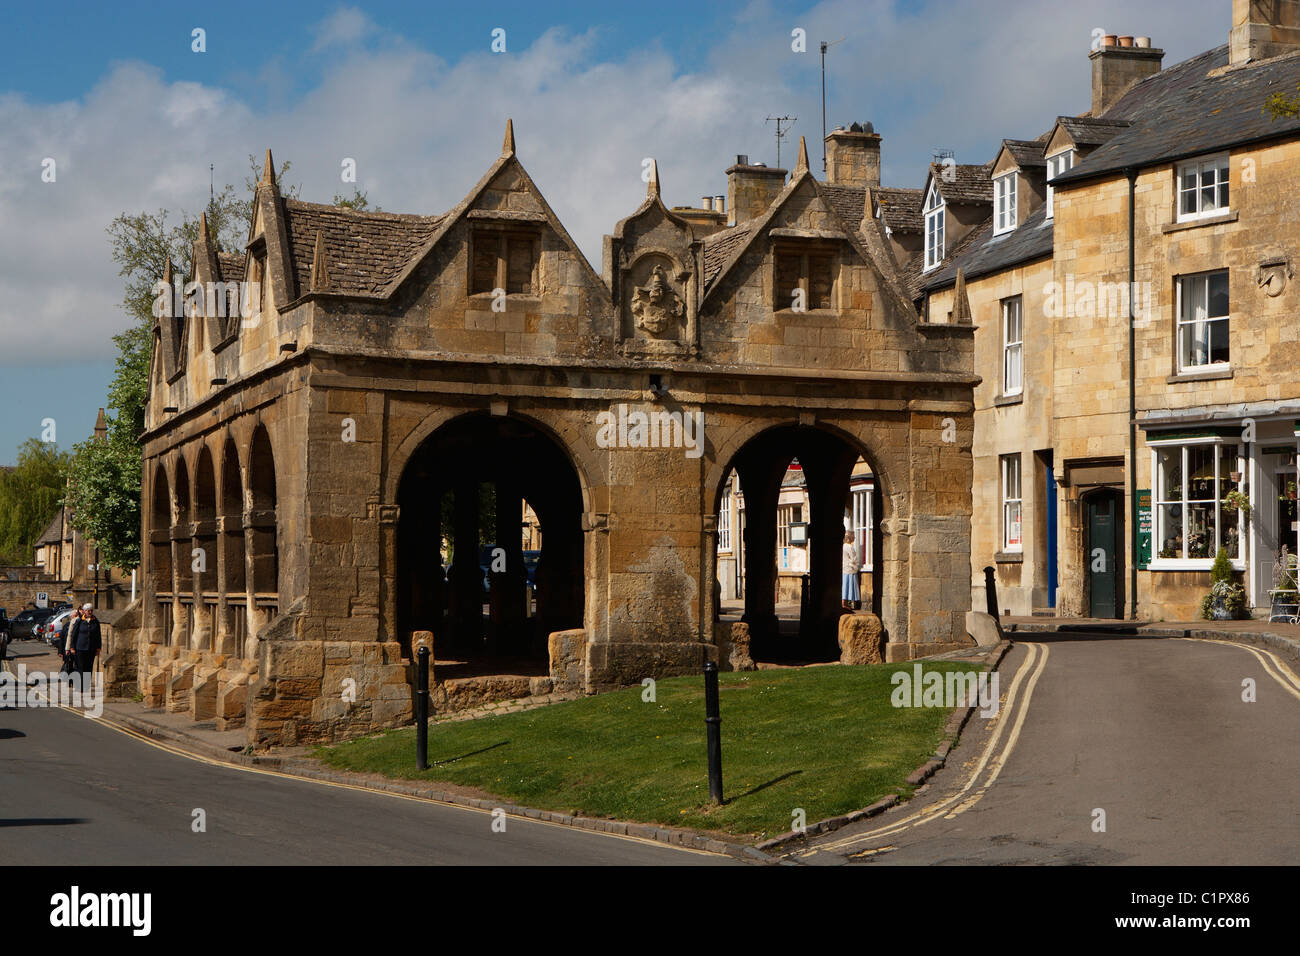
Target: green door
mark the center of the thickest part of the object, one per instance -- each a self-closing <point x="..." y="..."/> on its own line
<point x="1101" y="556"/>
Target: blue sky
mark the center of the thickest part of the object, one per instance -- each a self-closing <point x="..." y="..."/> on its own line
<point x="412" y="92"/>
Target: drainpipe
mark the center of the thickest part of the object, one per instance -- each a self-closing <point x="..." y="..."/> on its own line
<point x="1132" y="404"/>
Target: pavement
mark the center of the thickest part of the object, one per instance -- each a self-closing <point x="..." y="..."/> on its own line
<point x="68" y="797"/>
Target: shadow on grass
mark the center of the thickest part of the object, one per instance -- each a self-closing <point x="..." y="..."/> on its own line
<point x="472" y="753"/>
<point x="762" y="786"/>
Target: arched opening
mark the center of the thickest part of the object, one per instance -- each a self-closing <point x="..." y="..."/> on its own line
<point x="798" y="506"/>
<point x="160" y="551"/>
<point x="204" y="551"/>
<point x="261" y="523"/>
<point x="489" y="545"/>
<point x="234" y="576"/>
<point x="182" y="554"/>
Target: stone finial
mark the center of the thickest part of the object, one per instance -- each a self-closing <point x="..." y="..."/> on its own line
<point x="960" y="303"/>
<point x="167" y="271"/>
<point x="652" y="184"/>
<point x="508" y="145"/>
<point x="320" y="276"/>
<point x="801" y="166"/>
<point x="203" y="230"/>
<point x="268" y="170"/>
<point x="101" y="427"/>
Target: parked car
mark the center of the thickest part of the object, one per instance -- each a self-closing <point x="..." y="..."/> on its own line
<point x="24" y="625"/>
<point x="52" y="628"/>
<point x="4" y="635"/>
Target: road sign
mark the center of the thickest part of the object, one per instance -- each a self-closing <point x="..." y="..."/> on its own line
<point x="42" y="599"/>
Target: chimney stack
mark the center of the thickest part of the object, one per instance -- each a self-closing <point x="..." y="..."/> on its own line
<point x="1263" y="29"/>
<point x="853" y="156"/>
<point x="1116" y="68"/>
<point x="751" y="189"/>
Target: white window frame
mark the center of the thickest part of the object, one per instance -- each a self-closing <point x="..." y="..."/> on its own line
<point x="1185" y="325"/>
<point x="1013" y="350"/>
<point x="724" y="523"/>
<point x="1010" y="466"/>
<point x="1005" y="188"/>
<point x="1218" y="169"/>
<point x="1057" y="163"/>
<point x="863" y="522"/>
<point x="935" y="211"/>
<point x="1157" y="501"/>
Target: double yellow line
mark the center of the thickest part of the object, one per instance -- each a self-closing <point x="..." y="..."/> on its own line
<point x="1011" y="714"/>
<point x="213" y="762"/>
<point x="1273" y="665"/>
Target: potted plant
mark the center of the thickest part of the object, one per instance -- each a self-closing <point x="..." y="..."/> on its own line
<point x="1226" y="600"/>
<point x="1284" y="595"/>
<point x="1289" y="493"/>
<point x="1239" y="501"/>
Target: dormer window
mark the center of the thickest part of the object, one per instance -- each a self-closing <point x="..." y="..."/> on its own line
<point x="934" y="213"/>
<point x="1004" y="203"/>
<point x="501" y="259"/>
<point x="1056" y="165"/>
<point x="1203" y="188"/>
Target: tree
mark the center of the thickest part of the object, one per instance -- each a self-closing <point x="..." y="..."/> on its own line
<point x="104" y="477"/>
<point x="30" y="495"/>
<point x="1282" y="106"/>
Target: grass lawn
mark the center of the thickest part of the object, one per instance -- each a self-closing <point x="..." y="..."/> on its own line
<point x="825" y="739"/>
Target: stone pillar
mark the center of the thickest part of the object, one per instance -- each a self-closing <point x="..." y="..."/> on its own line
<point x="827" y="471"/>
<point x="509" y="587"/>
<point x="760" y="481"/>
<point x="466" y="577"/>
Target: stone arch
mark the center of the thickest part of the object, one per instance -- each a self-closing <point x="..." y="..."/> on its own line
<point x="261" y="520"/>
<point x="581" y="455"/>
<point x="234" y="568"/>
<point x="159" y="539"/>
<point x="827" y="456"/>
<point x="444" y="488"/>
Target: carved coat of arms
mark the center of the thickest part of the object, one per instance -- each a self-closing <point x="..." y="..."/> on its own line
<point x="655" y="305"/>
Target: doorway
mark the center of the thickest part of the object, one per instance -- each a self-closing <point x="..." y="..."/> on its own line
<point x="1102" y="553"/>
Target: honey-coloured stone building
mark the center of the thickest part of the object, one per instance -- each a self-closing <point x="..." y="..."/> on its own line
<point x="302" y="465"/>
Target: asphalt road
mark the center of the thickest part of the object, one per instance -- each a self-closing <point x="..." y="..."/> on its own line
<point x="1154" y="732"/>
<point x="76" y="792"/>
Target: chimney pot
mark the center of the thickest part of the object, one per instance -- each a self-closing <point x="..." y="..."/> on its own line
<point x="1108" y="39"/>
<point x="719" y="203"/>
<point x="1125" y="41"/>
<point x="1142" y="42"/>
<point x="707" y="203"/>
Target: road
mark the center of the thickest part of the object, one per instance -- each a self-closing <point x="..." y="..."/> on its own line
<point x="1153" y="732"/>
<point x="75" y="791"/>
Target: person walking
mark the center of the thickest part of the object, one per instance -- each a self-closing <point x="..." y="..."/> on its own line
<point x="84" y="642"/>
<point x="850" y="592"/>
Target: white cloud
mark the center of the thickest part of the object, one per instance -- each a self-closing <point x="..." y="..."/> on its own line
<point x="424" y="130"/>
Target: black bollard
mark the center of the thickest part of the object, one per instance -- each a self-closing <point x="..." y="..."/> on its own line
<point x="422" y="710"/>
<point x="991" y="593"/>
<point x="713" y="724"/>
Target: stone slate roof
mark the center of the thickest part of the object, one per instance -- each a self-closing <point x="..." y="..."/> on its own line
<point x="1027" y="152"/>
<point x="849" y="202"/>
<point x="966" y="183"/>
<point x="53" y="533"/>
<point x="1090" y="131"/>
<point x="901" y="208"/>
<point x="988" y="253"/>
<point x="364" y="251"/>
<point x="231" y="265"/>
<point x="719" y="247"/>
<point x="1182" y="112"/>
